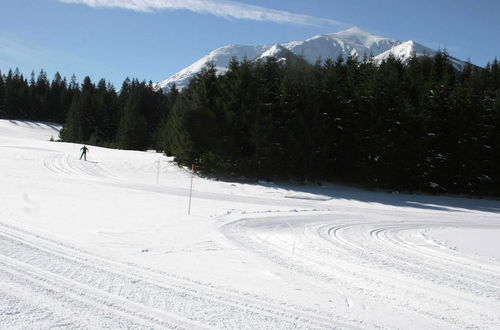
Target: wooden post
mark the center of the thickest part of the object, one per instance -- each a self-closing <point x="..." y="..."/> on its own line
<point x="191" y="188"/>
<point x="158" y="172"/>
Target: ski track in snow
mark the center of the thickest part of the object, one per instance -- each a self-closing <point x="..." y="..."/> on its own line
<point x="369" y="259"/>
<point x="65" y="164"/>
<point x="127" y="296"/>
<point x="380" y="263"/>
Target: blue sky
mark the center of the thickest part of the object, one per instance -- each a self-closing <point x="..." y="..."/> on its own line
<point x="153" y="39"/>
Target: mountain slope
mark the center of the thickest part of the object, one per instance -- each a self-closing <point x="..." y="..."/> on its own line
<point x="219" y="57"/>
<point x="352" y="42"/>
<point x="406" y="50"/>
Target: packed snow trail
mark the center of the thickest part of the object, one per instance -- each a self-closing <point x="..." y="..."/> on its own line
<point x="384" y="263"/>
<point x="110" y="293"/>
<point x="107" y="243"/>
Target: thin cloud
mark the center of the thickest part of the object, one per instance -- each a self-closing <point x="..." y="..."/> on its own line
<point x="220" y="8"/>
<point x="15" y="52"/>
<point x="11" y="47"/>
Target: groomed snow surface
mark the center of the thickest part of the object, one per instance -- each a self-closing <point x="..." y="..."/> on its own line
<point x="108" y="243"/>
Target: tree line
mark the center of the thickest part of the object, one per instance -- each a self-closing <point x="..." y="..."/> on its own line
<point x="36" y="98"/>
<point x="419" y="125"/>
<point x="92" y="113"/>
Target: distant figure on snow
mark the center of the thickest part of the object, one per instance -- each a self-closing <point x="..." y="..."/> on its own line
<point x="84" y="150"/>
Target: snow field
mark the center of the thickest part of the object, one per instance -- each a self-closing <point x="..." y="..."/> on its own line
<point x="101" y="244"/>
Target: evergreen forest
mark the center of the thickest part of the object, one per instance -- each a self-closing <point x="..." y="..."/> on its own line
<point x="421" y="125"/>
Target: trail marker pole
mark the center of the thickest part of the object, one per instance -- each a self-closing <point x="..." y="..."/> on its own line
<point x="158" y="172"/>
<point x="191" y="188"/>
<point x="294" y="237"/>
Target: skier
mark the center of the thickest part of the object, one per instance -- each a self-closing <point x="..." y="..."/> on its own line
<point x="84" y="150"/>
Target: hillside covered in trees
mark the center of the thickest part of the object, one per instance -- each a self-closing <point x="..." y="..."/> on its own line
<point x="417" y="126"/>
<point x="94" y="114"/>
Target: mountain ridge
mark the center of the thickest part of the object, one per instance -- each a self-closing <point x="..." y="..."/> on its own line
<point x="351" y="42"/>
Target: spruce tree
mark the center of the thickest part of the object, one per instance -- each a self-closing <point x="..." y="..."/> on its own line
<point x="17" y="96"/>
<point x="88" y="111"/>
<point x="42" y="92"/>
<point x="34" y="105"/>
<point x="72" y="130"/>
<point x="56" y="110"/>
<point x="133" y="130"/>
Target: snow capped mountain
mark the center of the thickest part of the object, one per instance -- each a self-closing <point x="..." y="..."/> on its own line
<point x="406" y="50"/>
<point x="352" y="42"/>
<point x="278" y="51"/>
<point x="219" y="57"/>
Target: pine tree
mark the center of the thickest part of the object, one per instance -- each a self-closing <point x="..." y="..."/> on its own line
<point x="42" y="92"/>
<point x="167" y="103"/>
<point x="263" y="135"/>
<point x="133" y="130"/>
<point x="56" y="111"/>
<point x="332" y="125"/>
<point x="299" y="115"/>
<point x="237" y="102"/>
<point x="17" y="100"/>
<point x="72" y="130"/>
<point x="176" y="140"/>
<point x="88" y="111"/>
<point x="34" y="106"/>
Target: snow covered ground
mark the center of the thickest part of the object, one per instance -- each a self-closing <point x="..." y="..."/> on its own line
<point x="108" y="243"/>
